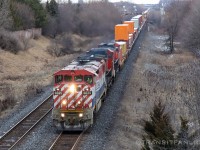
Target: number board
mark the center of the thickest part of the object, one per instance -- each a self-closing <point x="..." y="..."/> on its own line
<point x="87" y="92"/>
<point x="57" y="92"/>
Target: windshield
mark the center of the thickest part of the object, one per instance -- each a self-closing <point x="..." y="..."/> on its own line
<point x="97" y="53"/>
<point x="78" y="78"/>
<point x="67" y="78"/>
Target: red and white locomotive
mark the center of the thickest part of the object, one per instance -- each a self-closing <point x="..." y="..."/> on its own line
<point x="78" y="92"/>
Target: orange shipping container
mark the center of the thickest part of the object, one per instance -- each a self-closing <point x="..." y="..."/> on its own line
<point x="121" y="32"/>
<point x="130" y="26"/>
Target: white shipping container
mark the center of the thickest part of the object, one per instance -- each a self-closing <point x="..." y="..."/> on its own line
<point x="136" y="23"/>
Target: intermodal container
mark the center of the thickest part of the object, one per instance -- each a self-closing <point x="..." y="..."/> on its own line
<point x="137" y="21"/>
<point x="123" y="47"/>
<point x="121" y="32"/>
<point x="130" y="26"/>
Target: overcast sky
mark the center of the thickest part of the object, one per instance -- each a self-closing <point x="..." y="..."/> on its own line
<point x="134" y="1"/>
<point x="145" y="1"/>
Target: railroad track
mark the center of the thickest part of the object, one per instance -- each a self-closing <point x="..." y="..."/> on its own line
<point x="67" y="140"/>
<point x="12" y="137"/>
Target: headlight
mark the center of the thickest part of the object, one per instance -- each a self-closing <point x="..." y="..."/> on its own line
<point x="80" y="115"/>
<point x="72" y="88"/>
<point x="62" y="115"/>
<point x="87" y="89"/>
<point x="64" y="102"/>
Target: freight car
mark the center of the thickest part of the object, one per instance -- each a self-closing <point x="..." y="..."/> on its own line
<point x="81" y="86"/>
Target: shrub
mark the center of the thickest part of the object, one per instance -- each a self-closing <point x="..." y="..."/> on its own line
<point x="9" y="42"/>
<point x="159" y="128"/>
<point x="8" y="101"/>
<point x="32" y="89"/>
<point x="54" y="49"/>
<point x="67" y="44"/>
<point x="36" y="35"/>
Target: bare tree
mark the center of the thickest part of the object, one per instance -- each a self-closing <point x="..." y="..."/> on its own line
<point x="66" y="17"/>
<point x="174" y="13"/>
<point x="51" y="28"/>
<point x="171" y="24"/>
<point x="23" y="16"/>
<point x="190" y="34"/>
<point x="90" y="19"/>
<point x="155" y="17"/>
<point x="98" y="18"/>
<point x="5" y="19"/>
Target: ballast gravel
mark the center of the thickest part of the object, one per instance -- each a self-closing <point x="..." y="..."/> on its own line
<point x="22" y="110"/>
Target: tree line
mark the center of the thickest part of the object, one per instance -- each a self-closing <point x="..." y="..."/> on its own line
<point x="88" y="19"/>
<point x="22" y="14"/>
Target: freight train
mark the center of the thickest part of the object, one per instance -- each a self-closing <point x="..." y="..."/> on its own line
<point x="80" y="87"/>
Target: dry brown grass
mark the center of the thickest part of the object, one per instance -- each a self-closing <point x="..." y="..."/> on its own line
<point x="156" y="77"/>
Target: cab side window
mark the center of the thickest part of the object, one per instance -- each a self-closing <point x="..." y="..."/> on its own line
<point x="58" y="78"/>
<point x="88" y="79"/>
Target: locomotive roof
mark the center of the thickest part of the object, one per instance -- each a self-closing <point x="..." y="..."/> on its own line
<point x="89" y="65"/>
<point x="102" y="50"/>
<point x="99" y="49"/>
<point x="107" y="45"/>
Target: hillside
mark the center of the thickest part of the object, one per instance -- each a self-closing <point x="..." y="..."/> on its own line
<point x="24" y="74"/>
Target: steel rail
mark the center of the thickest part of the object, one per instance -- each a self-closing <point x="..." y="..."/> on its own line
<point x="72" y="141"/>
<point x="10" y="139"/>
<point x="27" y="132"/>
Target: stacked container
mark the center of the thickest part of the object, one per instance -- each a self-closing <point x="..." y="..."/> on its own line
<point x="131" y="32"/>
<point x="122" y="34"/>
<point x="123" y="47"/>
<point x="138" y="22"/>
